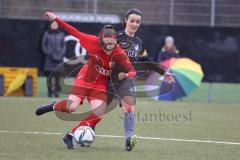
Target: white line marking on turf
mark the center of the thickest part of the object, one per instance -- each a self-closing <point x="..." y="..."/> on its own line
<point x="147" y="138"/>
<point x="27" y="132"/>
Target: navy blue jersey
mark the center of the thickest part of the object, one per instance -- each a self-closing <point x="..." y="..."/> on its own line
<point x="133" y="46"/>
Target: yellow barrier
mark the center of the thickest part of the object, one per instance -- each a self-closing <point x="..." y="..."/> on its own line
<point x="14" y="79"/>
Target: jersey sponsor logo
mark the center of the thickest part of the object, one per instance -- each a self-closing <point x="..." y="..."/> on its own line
<point x="133" y="47"/>
<point x="132" y="53"/>
<point x="102" y="71"/>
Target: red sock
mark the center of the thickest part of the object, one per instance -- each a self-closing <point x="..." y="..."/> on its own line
<point x="91" y="121"/>
<point x="61" y="106"/>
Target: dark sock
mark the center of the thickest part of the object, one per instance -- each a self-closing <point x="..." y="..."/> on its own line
<point x="44" y="109"/>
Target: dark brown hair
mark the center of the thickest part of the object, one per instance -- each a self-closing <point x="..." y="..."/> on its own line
<point x="129" y="12"/>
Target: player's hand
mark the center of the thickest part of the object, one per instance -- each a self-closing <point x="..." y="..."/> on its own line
<point x="50" y="15"/>
<point x="122" y="76"/>
<point x="168" y="77"/>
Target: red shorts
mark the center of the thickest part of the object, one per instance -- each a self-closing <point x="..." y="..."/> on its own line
<point x="83" y="89"/>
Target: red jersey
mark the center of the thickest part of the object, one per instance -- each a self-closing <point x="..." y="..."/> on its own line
<point x="98" y="67"/>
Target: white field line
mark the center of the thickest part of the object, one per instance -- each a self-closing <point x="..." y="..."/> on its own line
<point x="115" y="136"/>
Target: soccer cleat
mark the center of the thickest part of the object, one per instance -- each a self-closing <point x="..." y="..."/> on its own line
<point x="93" y="128"/>
<point x="68" y="140"/>
<point x="44" y="109"/>
<point x="131" y="142"/>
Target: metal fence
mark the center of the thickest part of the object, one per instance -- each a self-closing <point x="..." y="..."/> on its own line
<point x="166" y="12"/>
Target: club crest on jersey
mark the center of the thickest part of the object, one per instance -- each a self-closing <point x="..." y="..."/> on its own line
<point x="136" y="48"/>
<point x="102" y="71"/>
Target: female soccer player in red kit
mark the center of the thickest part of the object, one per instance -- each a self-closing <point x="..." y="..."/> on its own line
<point x="91" y="80"/>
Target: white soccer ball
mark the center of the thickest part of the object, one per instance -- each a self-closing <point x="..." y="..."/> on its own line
<point x="84" y="135"/>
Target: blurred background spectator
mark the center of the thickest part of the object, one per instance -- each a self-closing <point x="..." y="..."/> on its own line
<point x="54" y="49"/>
<point x="168" y="50"/>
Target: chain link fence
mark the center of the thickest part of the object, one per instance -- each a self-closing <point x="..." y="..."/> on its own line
<point x="166" y="12"/>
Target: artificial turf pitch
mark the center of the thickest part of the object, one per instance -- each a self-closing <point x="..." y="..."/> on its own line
<point x="183" y="130"/>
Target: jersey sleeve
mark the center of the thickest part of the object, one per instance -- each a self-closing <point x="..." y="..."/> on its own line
<point x="86" y="40"/>
<point x="143" y="55"/>
<point x="124" y="61"/>
<point x="148" y="64"/>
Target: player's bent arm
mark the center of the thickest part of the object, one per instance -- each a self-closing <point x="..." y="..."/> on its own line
<point x="125" y="62"/>
<point x="131" y="74"/>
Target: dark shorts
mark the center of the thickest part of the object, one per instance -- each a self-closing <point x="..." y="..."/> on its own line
<point x="121" y="89"/>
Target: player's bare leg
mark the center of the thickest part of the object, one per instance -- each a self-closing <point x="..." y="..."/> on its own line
<point x="98" y="109"/>
<point x="68" y="105"/>
<point x="72" y="104"/>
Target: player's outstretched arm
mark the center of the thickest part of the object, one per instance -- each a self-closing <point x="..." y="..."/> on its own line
<point x="148" y="65"/>
<point x="70" y="29"/>
<point x="50" y="15"/>
<point x="151" y="66"/>
<point x="168" y="77"/>
<point x="85" y="38"/>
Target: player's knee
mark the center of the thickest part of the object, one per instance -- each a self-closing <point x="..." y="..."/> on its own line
<point x="128" y="100"/>
<point x="128" y="108"/>
<point x="73" y="106"/>
<point x="128" y="104"/>
<point x="98" y="107"/>
<point x="73" y="103"/>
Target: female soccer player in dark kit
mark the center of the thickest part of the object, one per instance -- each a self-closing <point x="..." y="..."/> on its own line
<point x="124" y="90"/>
